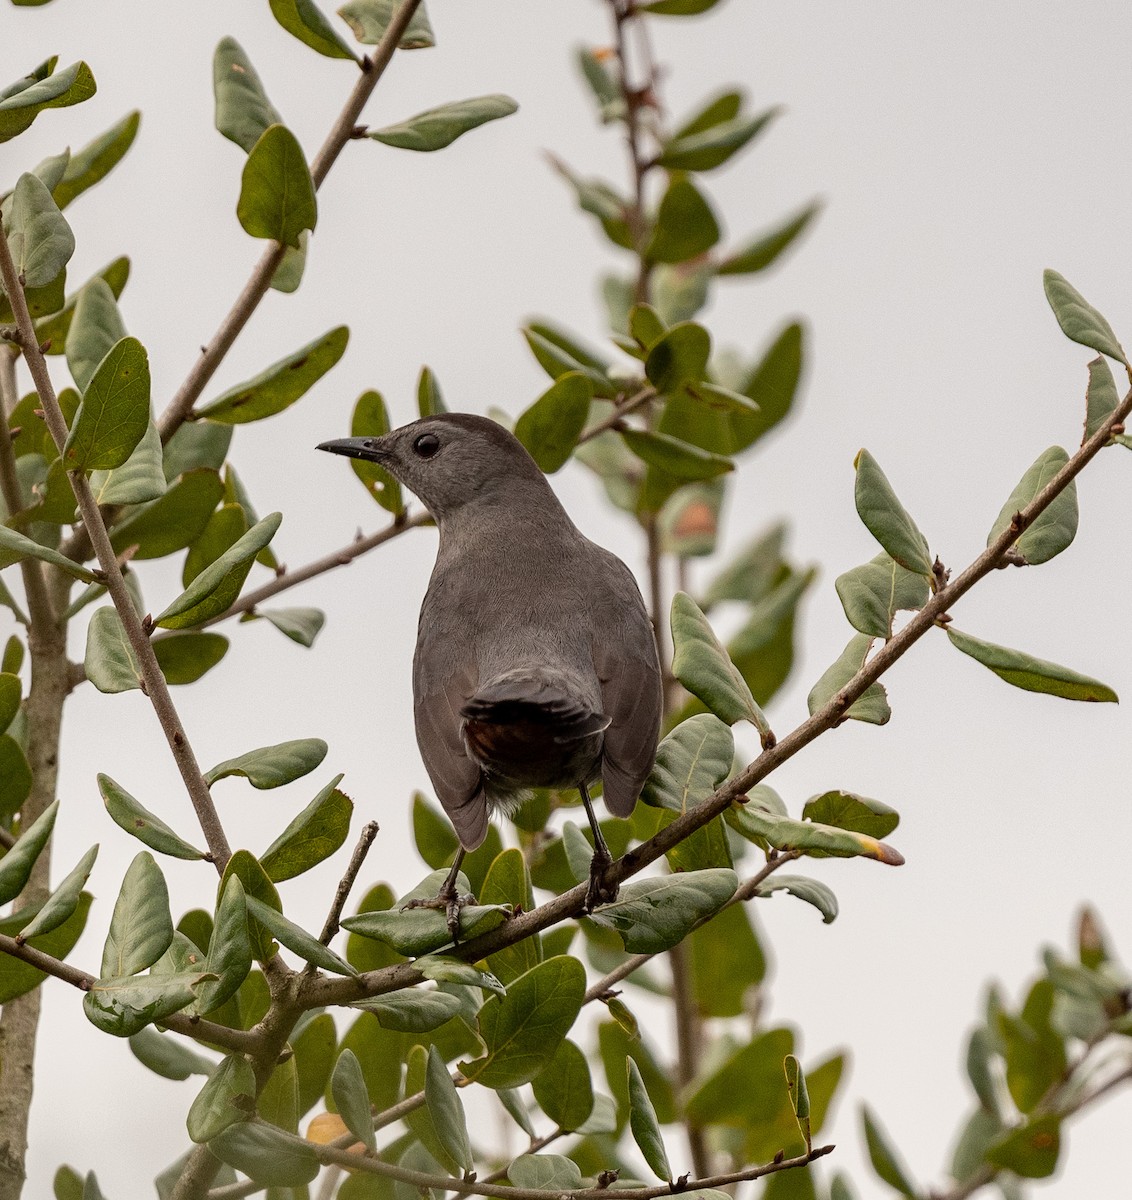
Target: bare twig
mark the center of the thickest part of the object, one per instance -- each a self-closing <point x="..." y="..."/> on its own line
<point x="328" y="562"/>
<point x="613" y="421"/>
<point x="179" y="408"/>
<point x="330" y="928"/>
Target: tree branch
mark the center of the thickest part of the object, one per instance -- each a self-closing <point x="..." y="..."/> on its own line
<point x="337" y="558"/>
<point x="179" y="408"/>
<point x="152" y="679"/>
<point x="330" y="928"/>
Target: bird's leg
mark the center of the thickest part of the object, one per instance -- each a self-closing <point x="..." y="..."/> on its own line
<point x="599" y="891"/>
<point x="448" y="898"/>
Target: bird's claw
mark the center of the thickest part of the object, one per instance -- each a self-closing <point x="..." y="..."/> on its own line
<point x="600" y="891"/>
<point x="450" y="902"/>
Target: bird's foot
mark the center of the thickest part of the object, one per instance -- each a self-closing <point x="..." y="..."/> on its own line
<point x="450" y="902"/>
<point x="600" y="891"/>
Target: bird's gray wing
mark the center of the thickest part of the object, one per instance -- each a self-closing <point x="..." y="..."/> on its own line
<point x="456" y="778"/>
<point x="624" y="653"/>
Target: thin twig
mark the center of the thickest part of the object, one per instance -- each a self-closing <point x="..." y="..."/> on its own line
<point x="613" y="421"/>
<point x="337" y="558"/>
<point x="179" y="408"/>
<point x="330" y="928"/>
<point x="472" y="1187"/>
<point x="153" y="680"/>
<point x="537" y="1144"/>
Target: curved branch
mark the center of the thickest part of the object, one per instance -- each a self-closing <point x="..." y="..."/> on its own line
<point x="179" y="408"/>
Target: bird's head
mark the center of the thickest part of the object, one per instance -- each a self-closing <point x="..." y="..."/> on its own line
<point x="448" y="461"/>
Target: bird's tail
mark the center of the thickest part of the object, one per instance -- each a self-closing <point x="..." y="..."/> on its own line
<point x="530" y="698"/>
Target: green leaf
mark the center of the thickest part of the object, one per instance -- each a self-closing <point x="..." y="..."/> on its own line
<point x="420" y="1120"/>
<point x="1056" y="526"/>
<point x="872" y="707"/>
<point x="677" y="458"/>
<point x="745" y="1089"/>
<point x="1031" y="674"/>
<point x="601" y="201"/>
<point x="644" y="1125"/>
<point x="305" y="20"/>
<point x="447" y="1112"/>
<point x="227" y="1098"/>
<point x="17" y="863"/>
<point x="758" y="822"/>
<point x="18" y="977"/>
<point x="315" y="1045"/>
<point x="655" y="914"/>
<point x="710" y="148"/>
<point x="847" y="810"/>
<point x="1034" y="1051"/>
<point x="135" y="819"/>
<point x="185" y="657"/>
<point x="217" y="586"/>
<point x="439" y="127"/>
<point x="277" y="199"/>
<point x="262" y="1152"/>
<point x="1101" y="397"/>
<point x="607" y="92"/>
<point x="123" y="1007"/>
<point x="508" y="882"/>
<point x="243" y="111"/>
<point x="678" y="356"/>
<point x="727" y="960"/>
<point x="1079" y="320"/>
<point x="114" y="414"/>
<point x="197" y="444"/>
<point x="281" y="384"/>
<point x="15" y="776"/>
<point x="63" y="902"/>
<point x="452" y="970"/>
<point x="430" y="401"/>
<point x="23" y="101"/>
<point x="759" y="254"/>
<point x="296" y="939"/>
<point x="1031" y="1150"/>
<point x="96" y="159"/>
<point x="550" y="1172"/>
<point x="95" y="328"/>
<point x="168" y="1057"/>
<point x="14" y="548"/>
<point x="229" y="946"/>
<point x="371" y="419"/>
<point x="799" y="1096"/>
<point x="312" y="836"/>
<point x="887" y="519"/>
<point x="691" y="762"/>
<point x="512" y="1101"/>
<point x="301" y="625"/>
<point x="549" y="429"/>
<point x="139" y="479"/>
<point x="369" y="20"/>
<point x="679" y="8"/>
<point x="704" y="667"/>
<point x="273" y="766"/>
<point x="874" y="593"/>
<point x="884" y="1157"/>
<point x="140" y="927"/>
<point x="9" y="698"/>
<point x="435" y="839"/>
<point x="54" y="329"/>
<point x="563" y="1088"/>
<point x="110" y="662"/>
<point x="521" y="1030"/>
<point x="348" y="1086"/>
<point x="39" y="237"/>
<point x="681" y="290"/>
<point x="174" y="521"/>
<point x="418" y="931"/>
<point x="685" y="225"/>
<point x="414" y="1010"/>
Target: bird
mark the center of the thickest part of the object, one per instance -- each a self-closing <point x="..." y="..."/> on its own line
<point x="536" y="663"/>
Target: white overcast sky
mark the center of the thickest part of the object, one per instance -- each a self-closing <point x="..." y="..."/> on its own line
<point x="960" y="148"/>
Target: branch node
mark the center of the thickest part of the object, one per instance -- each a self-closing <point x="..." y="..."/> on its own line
<point x="359" y="131"/>
<point x="45" y="346"/>
<point x="147" y="624"/>
<point x="779" y="1156"/>
<point x="607" y="1179"/>
<point x="681" y="1184"/>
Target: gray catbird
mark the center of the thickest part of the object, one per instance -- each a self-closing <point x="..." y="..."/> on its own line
<point x="535" y="663"/>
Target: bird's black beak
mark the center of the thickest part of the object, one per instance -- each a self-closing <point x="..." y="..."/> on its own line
<point x="368" y="448"/>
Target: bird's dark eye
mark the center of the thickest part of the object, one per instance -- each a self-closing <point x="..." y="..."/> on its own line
<point x="426" y="445"/>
